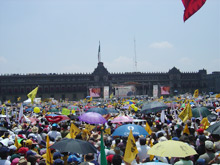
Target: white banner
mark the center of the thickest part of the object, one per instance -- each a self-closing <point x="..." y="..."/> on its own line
<point x="106" y="92"/>
<point x="155" y="91"/>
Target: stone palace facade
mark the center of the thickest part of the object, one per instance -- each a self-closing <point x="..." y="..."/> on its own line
<point x="76" y="86"/>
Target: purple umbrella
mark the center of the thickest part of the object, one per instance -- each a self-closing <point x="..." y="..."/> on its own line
<point x="92" y="118"/>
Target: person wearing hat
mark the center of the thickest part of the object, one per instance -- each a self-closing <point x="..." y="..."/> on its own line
<point x="57" y="158"/>
<point x="210" y="153"/>
<point x="96" y="136"/>
<point x="4" y="152"/>
<point x="23" y="161"/>
<point x="54" y="133"/>
<point x="35" y="134"/>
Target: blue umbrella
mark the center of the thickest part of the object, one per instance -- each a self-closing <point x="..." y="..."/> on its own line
<point x="124" y="130"/>
<point x="29" y="109"/>
<point x="101" y="111"/>
<point x="112" y="110"/>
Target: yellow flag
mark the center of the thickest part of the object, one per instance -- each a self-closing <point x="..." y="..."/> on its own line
<point x="131" y="149"/>
<point x="32" y="95"/>
<point x="148" y="129"/>
<point x="73" y="131"/>
<point x="3" y="111"/>
<point x="49" y="159"/>
<point x="85" y="134"/>
<point x="217" y="96"/>
<point x="196" y="93"/>
<point x="90" y="99"/>
<point x="89" y="127"/>
<point x="16" y="143"/>
<point x="186" y="113"/>
<point x="19" y="98"/>
<point x="43" y="112"/>
<point x="111" y="95"/>
<point x="108" y="131"/>
<point x="204" y="123"/>
<point x="186" y="129"/>
<point x="161" y="97"/>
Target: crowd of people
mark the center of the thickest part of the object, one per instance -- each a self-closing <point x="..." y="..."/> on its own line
<point x="24" y="141"/>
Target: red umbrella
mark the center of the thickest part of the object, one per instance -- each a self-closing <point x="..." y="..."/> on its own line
<point x="56" y="118"/>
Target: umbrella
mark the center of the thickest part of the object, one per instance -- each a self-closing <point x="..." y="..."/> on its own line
<point x="92" y="118"/>
<point x="172" y="148"/>
<point x="74" y="146"/>
<point x="112" y="110"/>
<point x="101" y="111"/>
<point x="28" y="109"/>
<point x="124" y="130"/>
<point x="153" y="107"/>
<point x="3" y="129"/>
<point x="53" y="110"/>
<point x="53" y="118"/>
<point x="214" y="129"/>
<point x="122" y="119"/>
<point x="154" y="163"/>
<point x="33" y="120"/>
<point x="212" y="117"/>
<point x="200" y="110"/>
<point x="73" y="117"/>
<point x="73" y="107"/>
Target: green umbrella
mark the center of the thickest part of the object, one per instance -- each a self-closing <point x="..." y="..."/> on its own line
<point x="200" y="110"/>
<point x="53" y="110"/>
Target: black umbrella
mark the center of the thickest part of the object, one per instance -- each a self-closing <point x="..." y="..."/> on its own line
<point x="212" y="117"/>
<point x="3" y="129"/>
<point x="73" y="117"/>
<point x="74" y="146"/>
<point x="214" y="129"/>
<point x="153" y="107"/>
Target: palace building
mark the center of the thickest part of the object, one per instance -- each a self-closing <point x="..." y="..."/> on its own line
<point x="78" y="86"/>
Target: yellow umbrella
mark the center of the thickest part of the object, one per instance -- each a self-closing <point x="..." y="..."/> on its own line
<point x="172" y="148"/>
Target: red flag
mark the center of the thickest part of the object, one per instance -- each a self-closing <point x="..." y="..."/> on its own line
<point x="191" y="7"/>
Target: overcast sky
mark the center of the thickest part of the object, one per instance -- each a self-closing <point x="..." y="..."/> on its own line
<point x="62" y="36"/>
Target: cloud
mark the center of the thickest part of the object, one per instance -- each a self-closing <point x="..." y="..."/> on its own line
<point x="3" y="59"/>
<point x="185" y="61"/>
<point x="120" y="64"/>
<point x="161" y="45"/>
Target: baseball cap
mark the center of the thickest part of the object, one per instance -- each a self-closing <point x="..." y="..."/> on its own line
<point x="54" y="125"/>
<point x="58" y="162"/>
<point x="200" y="131"/>
<point x="23" y="150"/>
<point x="209" y="145"/>
<point x="12" y="147"/>
<point x="15" y="161"/>
<point x="14" y="156"/>
<point x="29" y="142"/>
<point x="57" y="155"/>
<point x="28" y="153"/>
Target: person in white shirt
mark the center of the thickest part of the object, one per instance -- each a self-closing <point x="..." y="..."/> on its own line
<point x="142" y="150"/>
<point x="54" y="133"/>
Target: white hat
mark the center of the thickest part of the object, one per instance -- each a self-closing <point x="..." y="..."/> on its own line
<point x="209" y="145"/>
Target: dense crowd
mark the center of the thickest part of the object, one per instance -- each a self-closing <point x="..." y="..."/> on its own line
<point x="23" y="141"/>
